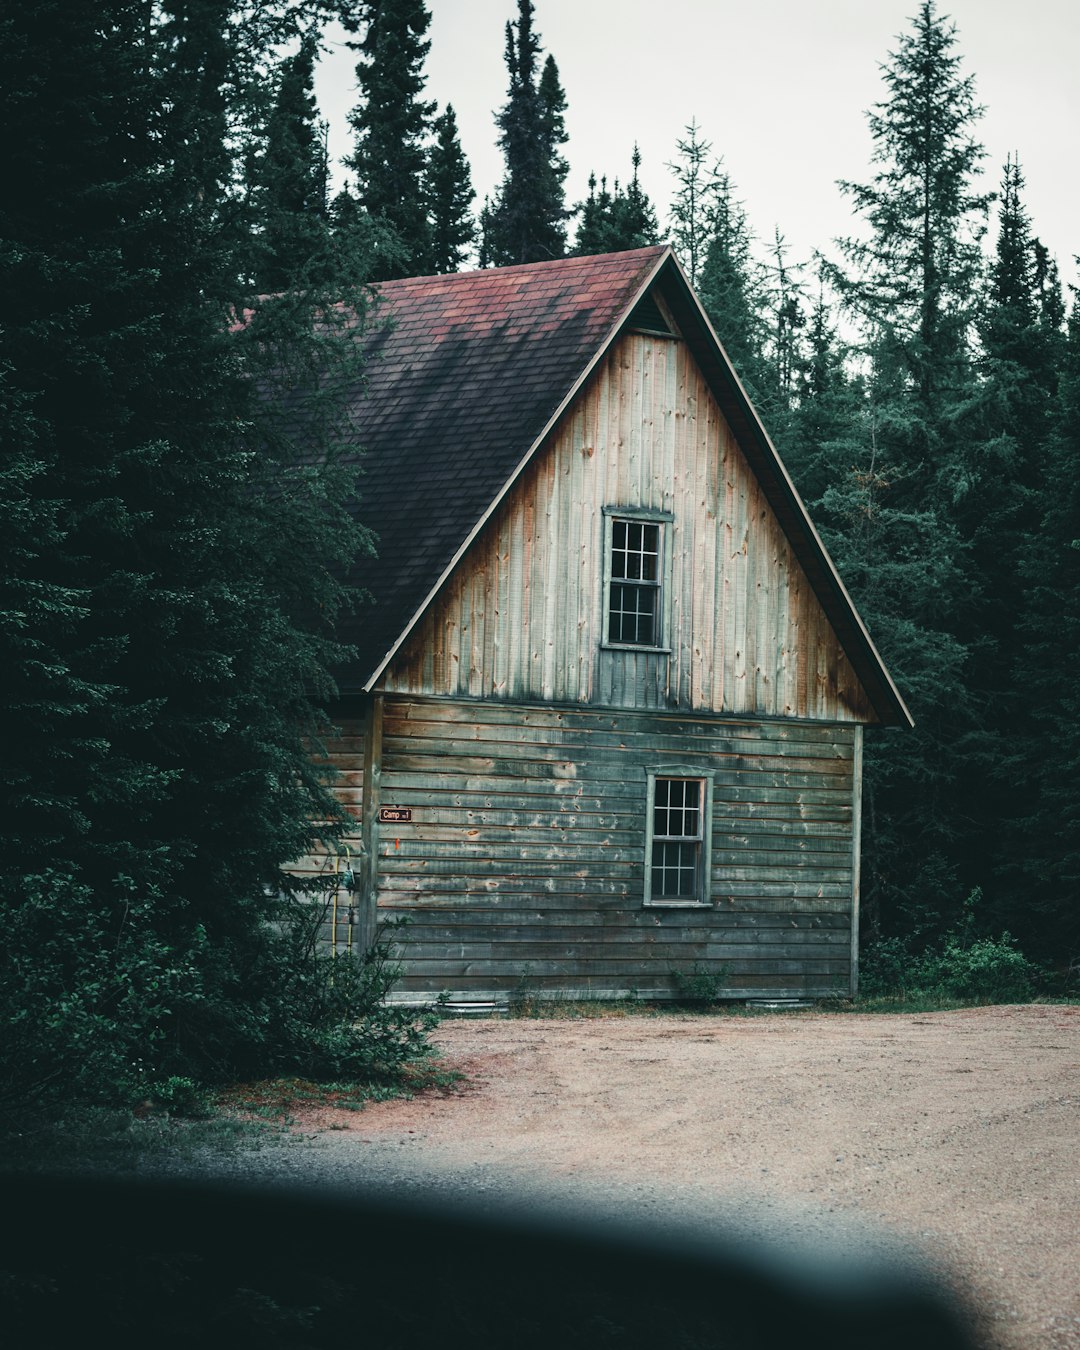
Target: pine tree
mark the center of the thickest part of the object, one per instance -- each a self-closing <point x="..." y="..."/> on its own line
<point x="610" y="221"/>
<point x="169" y="568"/>
<point x="391" y="123"/>
<point x="449" y="197"/>
<point x="1045" y="836"/>
<point x="1018" y="431"/>
<point x="918" y="273"/>
<point x="730" y="281"/>
<point x="693" y="207"/>
<point x="527" y="220"/>
<point x="290" y="181"/>
<point x="892" y="518"/>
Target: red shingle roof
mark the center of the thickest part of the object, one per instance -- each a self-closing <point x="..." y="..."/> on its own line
<point x="464" y="374"/>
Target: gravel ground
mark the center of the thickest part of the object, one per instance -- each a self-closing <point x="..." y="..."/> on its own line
<point x="956" y="1132"/>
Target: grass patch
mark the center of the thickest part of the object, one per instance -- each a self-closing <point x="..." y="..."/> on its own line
<point x="912" y="1001"/>
<point x="151" y="1135"/>
<point x="277" y="1100"/>
<point x="92" y="1138"/>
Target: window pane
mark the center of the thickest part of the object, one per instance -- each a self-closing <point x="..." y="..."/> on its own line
<point x="618" y="548"/>
<point x="632" y="614"/>
<point x="635" y="551"/>
<point x="677" y="808"/>
<point x="675" y="871"/>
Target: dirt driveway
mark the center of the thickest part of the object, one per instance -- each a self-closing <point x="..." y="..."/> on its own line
<point x="960" y="1130"/>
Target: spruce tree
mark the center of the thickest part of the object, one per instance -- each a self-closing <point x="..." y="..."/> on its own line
<point x="170" y="567"/>
<point x="527" y="220"/>
<point x="1044" y="857"/>
<point x="785" y="358"/>
<point x="730" y="281"/>
<point x="918" y="273"/>
<point x="690" y="226"/>
<point x="636" y="213"/>
<point x="610" y="221"/>
<point x="816" y="437"/>
<point x="891" y="518"/>
<point x="450" y="195"/>
<point x="1019" y="444"/>
<point x="290" y="181"/>
<point x="392" y="123"/>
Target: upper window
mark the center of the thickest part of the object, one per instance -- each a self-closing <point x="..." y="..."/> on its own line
<point x="634" y="583"/>
<point x="677" y="840"/>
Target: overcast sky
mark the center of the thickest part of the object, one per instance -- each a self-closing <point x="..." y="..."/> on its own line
<point x="780" y="88"/>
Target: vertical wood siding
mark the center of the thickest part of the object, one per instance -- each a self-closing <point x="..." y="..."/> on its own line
<point x="522" y="867"/>
<point x="521" y="619"/>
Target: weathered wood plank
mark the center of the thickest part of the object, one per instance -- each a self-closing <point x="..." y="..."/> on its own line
<point x="463" y="968"/>
<point x="602" y="952"/>
<point x="644" y="433"/>
<point x="697" y="924"/>
<point x="526" y="844"/>
<point x="765" y="897"/>
<point x="440" y="711"/>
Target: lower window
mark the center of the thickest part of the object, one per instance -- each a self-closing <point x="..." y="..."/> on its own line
<point x="677" y="870"/>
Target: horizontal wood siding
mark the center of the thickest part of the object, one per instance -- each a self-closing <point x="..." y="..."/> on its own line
<point x="521" y="618"/>
<point x="322" y="870"/>
<point x="522" y="867"/>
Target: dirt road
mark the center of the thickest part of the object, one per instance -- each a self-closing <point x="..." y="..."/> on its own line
<point x="960" y="1130"/>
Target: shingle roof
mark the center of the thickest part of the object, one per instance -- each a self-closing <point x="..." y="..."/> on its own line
<point x="464" y="373"/>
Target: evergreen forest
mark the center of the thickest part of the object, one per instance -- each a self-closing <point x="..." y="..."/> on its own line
<point x="177" y="265"/>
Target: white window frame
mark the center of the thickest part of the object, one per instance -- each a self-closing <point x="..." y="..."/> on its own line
<point x="704" y="778"/>
<point x="634" y="515"/>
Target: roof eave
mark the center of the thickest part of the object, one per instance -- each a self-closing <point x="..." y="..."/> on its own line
<point x="886" y="699"/>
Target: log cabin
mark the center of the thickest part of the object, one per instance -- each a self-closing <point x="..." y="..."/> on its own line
<point x="603" y="734"/>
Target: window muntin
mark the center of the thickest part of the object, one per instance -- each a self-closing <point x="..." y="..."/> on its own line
<point x="635" y="561"/>
<point x="676" y="864"/>
<point x="678" y="836"/>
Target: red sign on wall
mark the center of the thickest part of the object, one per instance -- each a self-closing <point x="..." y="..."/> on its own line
<point x="395" y="815"/>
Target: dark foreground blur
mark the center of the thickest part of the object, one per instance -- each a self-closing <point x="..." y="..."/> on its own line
<point x="169" y="1264"/>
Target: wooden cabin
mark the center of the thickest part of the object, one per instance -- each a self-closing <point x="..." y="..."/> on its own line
<point x="604" y="734"/>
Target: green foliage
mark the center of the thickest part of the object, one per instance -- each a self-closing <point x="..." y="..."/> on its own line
<point x="391" y="123"/>
<point x="449" y="197"/>
<point x="701" y="983"/>
<point x="527" y="221"/>
<point x="610" y="221"/>
<point x="179" y="534"/>
<point x="962" y="966"/>
<point x="288" y="191"/>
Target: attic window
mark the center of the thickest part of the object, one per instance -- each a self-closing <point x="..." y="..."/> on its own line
<point x="648" y="317"/>
<point x="634" y="579"/>
<point x="634" y="610"/>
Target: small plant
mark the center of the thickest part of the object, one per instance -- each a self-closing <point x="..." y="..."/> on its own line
<point x="701" y="984"/>
<point x="179" y="1097"/>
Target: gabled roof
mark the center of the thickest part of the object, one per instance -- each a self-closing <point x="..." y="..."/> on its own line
<point x="467" y="374"/>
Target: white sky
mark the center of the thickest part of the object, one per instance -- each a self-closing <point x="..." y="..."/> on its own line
<point x="780" y="88"/>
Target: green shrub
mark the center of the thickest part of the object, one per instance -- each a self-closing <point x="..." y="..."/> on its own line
<point x="964" y="967"/>
<point x="886" y="968"/>
<point x="988" y="970"/>
<point x="98" y="1008"/>
<point x="701" y="984"/>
